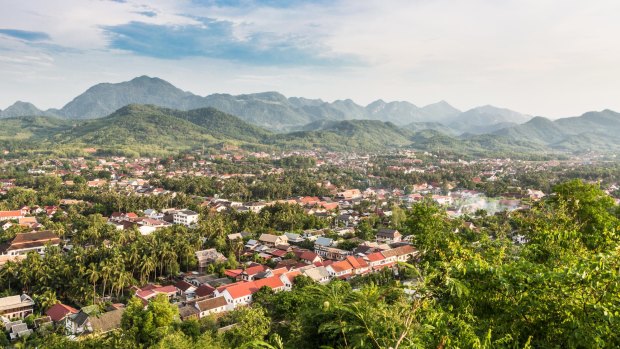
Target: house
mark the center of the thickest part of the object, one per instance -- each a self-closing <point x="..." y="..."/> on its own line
<point x="18" y="306"/>
<point x="310" y="257"/>
<point x="211" y="306"/>
<point x="185" y="217"/>
<point x="251" y="244"/>
<point x="349" y="194"/>
<point x="360" y="266"/>
<point x="255" y="207"/>
<point x="317" y="274"/>
<point x="240" y="293"/>
<point x="341" y="269"/>
<point x="209" y="256"/>
<point x="323" y="242"/>
<point x="59" y="312"/>
<point x="188" y="312"/>
<point x="273" y="240"/>
<point x="294" y="238"/>
<point x="389" y="236"/>
<point x="9" y="215"/>
<point x="250" y="272"/>
<point x="18" y="329"/>
<point x="34" y="241"/>
<point x="399" y="254"/>
<point x="288" y="279"/>
<point x="185" y="289"/>
<point x="332" y="253"/>
<point x="376" y="260"/>
<point x="151" y="290"/>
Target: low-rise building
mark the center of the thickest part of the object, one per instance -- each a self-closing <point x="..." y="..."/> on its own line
<point x="16" y="307"/>
<point x="185" y="217"/>
<point x="27" y="242"/>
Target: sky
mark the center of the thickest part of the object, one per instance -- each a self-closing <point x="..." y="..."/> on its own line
<point x="553" y="58"/>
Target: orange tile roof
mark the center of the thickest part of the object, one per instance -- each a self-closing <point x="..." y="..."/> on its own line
<point x="375" y="257"/>
<point x="341" y="266"/>
<point x="10" y="214"/>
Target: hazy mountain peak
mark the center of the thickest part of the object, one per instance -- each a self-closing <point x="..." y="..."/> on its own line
<point x="20" y="108"/>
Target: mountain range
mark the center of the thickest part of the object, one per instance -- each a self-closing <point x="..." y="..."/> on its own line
<point x="270" y="110"/>
<point x="150" y="116"/>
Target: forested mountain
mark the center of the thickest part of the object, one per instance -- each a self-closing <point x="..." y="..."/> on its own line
<point x="368" y="135"/>
<point x="149" y="129"/>
<point x="31" y="127"/>
<point x="591" y="131"/>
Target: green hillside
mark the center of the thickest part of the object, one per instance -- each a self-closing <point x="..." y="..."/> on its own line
<point x="147" y="129"/>
<point x="365" y="135"/>
<point x="31" y="127"/>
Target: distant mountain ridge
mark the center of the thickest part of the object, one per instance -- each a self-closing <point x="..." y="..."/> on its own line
<point x="299" y="122"/>
<point x="151" y="130"/>
<point x="271" y="110"/>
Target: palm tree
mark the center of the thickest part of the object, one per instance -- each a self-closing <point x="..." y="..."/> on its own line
<point x="147" y="266"/>
<point x="93" y="275"/>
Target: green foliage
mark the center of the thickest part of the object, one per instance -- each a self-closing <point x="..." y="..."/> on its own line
<point x="248" y="324"/>
<point x="151" y="325"/>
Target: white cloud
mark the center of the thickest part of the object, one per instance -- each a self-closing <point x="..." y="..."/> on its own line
<point x="544" y="57"/>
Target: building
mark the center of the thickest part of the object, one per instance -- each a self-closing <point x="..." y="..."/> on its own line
<point x="332" y="253"/>
<point x="27" y="242"/>
<point x="59" y="312"/>
<point x="16" y="306"/>
<point x="9" y="215"/>
<point x="389" y="236"/>
<point x="211" y="306"/>
<point x="273" y="240"/>
<point x="185" y="217"/>
<point x="208" y="256"/>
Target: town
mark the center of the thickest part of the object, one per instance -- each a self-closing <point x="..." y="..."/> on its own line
<point x="206" y="232"/>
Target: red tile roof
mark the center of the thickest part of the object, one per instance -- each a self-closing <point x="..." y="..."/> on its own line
<point x="308" y="256"/>
<point x="58" y="311"/>
<point x="375" y="257"/>
<point x="233" y="273"/>
<point x="204" y="290"/>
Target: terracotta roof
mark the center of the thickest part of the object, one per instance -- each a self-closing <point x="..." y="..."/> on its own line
<point x="233" y="273"/>
<point x="375" y="257"/>
<point x="204" y="290"/>
<point x="209" y="304"/>
<point x="183" y="286"/>
<point x="271" y="282"/>
<point x="10" y="214"/>
<point x="33" y="239"/>
<point x="166" y="289"/>
<point x="399" y="251"/>
<point x="253" y="270"/>
<point x="354" y="263"/>
<point x="308" y="256"/>
<point x="58" y="311"/>
<point x="240" y="290"/>
<point x="341" y="266"/>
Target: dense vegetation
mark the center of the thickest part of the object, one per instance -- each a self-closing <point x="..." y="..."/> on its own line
<point x="546" y="277"/>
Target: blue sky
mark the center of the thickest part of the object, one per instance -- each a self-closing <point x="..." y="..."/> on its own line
<point x="542" y="57"/>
